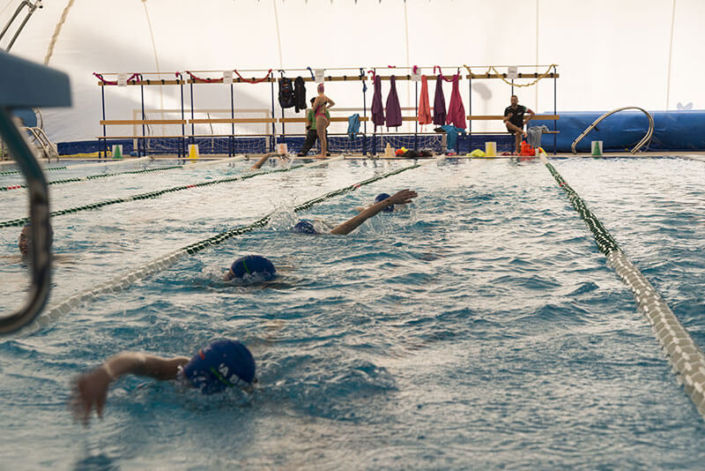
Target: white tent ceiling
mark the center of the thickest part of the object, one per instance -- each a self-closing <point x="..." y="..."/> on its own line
<point x="610" y="53"/>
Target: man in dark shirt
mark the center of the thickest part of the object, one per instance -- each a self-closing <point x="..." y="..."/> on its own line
<point x="514" y="120"/>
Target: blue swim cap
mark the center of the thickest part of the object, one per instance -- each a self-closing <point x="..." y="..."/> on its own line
<point x="220" y="365"/>
<point x="382" y="197"/>
<point x="253" y="265"/>
<point x="304" y="226"/>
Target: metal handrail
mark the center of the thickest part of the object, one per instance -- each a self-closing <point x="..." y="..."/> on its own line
<point x="645" y="140"/>
<point x="30" y="11"/>
<point x="41" y="233"/>
<point x="42" y="142"/>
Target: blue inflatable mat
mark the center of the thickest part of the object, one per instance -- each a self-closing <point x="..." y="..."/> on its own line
<point x="673" y="131"/>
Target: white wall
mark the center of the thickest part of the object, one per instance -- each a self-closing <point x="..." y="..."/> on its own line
<point x="610" y="53"/>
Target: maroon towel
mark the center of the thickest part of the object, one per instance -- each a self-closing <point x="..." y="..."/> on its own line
<point x="393" y="107"/>
<point x="456" y="110"/>
<point x="377" y="108"/>
<point x="439" y="103"/>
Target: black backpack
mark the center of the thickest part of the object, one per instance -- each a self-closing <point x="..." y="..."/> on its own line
<point x="286" y="93"/>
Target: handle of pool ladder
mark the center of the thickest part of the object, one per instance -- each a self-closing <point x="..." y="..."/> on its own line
<point x="39" y="214"/>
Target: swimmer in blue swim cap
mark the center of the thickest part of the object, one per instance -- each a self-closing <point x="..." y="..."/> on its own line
<point x="221" y="365"/>
<point x="306" y="226"/>
<point x="382" y="197"/>
<point x="251" y="267"/>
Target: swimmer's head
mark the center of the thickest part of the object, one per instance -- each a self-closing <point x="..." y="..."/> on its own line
<point x="321" y="88"/>
<point x="382" y="197"/>
<point x="25" y="241"/>
<point x="304" y="226"/>
<point x="221" y="365"/>
<point x="252" y="266"/>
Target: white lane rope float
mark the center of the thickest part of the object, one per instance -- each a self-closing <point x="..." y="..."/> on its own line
<point x="682" y="352"/>
<point x="121" y="282"/>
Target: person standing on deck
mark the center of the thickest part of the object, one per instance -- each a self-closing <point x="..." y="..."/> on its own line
<point x="321" y="105"/>
<point x="311" y="133"/>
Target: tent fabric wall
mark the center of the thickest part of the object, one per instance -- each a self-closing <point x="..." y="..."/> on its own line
<point x="610" y="54"/>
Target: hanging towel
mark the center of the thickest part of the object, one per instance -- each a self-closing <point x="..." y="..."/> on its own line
<point x="424" y="116"/>
<point x="377" y="108"/>
<point x="353" y="125"/>
<point x="299" y="94"/>
<point x="456" y="110"/>
<point x="393" y="108"/>
<point x="533" y="135"/>
<point x="452" y="133"/>
<point x="439" y="103"/>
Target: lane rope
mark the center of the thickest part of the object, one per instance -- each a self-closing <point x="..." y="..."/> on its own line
<point x="94" y="177"/>
<point x="121" y="282"/>
<point x="158" y="193"/>
<point x="132" y="172"/>
<point x="685" y="357"/>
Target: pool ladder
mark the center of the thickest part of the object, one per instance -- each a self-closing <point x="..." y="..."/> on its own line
<point x="645" y="140"/>
<point x="26" y="84"/>
<point x="42" y="143"/>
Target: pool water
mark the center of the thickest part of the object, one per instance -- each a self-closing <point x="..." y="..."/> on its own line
<point x="480" y="328"/>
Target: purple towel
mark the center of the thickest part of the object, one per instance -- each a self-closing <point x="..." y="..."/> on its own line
<point x="456" y="110"/>
<point x="439" y="103"/>
<point x="377" y="108"/>
<point x="393" y="107"/>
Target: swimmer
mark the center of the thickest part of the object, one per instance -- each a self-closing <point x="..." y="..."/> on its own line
<point x="25" y="241"/>
<point x="266" y="157"/>
<point x="378" y="198"/>
<point x="221" y="365"/>
<point x="255" y="267"/>
<point x="402" y="197"/>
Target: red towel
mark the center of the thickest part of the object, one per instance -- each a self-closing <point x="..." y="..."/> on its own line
<point x="456" y="110"/>
<point x="424" y="116"/>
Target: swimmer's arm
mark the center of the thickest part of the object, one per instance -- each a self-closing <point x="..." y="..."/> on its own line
<point x="402" y="197"/>
<point x="262" y="160"/>
<point x="530" y="117"/>
<point x="90" y="390"/>
<point x="330" y="103"/>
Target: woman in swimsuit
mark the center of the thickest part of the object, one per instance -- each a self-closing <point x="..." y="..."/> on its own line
<point x="320" y="105"/>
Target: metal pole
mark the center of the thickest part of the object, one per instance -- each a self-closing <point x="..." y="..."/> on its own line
<point x="193" y="131"/>
<point x="555" y="111"/>
<point x="470" y="103"/>
<point x="231" y="140"/>
<point x="182" y="146"/>
<point x="102" y="102"/>
<point x="143" y="143"/>
<point x="274" y="131"/>
<point x="416" y="114"/>
<point x="512" y="86"/>
<point x="364" y="114"/>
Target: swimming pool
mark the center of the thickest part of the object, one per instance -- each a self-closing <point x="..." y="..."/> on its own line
<point x="481" y="329"/>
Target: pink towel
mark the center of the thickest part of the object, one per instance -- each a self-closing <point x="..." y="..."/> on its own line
<point x="424" y="116"/>
<point x="456" y="110"/>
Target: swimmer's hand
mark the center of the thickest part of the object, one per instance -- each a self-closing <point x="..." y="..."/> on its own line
<point x="90" y="391"/>
<point x="402" y="197"/>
